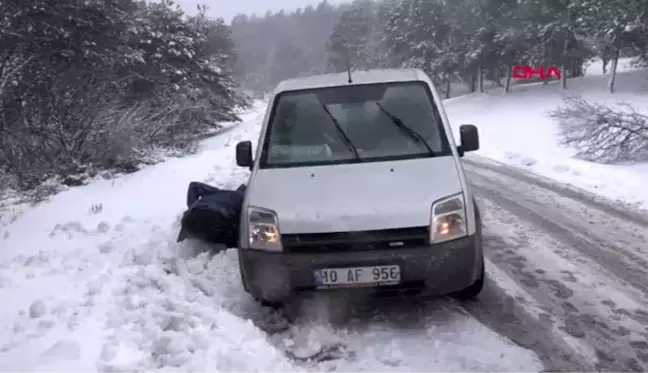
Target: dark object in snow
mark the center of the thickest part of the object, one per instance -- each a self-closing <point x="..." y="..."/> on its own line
<point x="327" y="353"/>
<point x="212" y="214"/>
<point x="73" y="181"/>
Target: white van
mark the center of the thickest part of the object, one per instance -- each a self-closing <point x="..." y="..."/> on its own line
<point x="358" y="183"/>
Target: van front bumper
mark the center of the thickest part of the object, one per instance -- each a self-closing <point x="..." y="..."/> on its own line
<point x="441" y="268"/>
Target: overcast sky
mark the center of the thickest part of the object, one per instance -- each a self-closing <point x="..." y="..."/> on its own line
<point x="227" y="9"/>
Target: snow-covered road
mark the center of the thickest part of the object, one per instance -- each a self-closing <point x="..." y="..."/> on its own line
<point x="569" y="271"/>
<point x="110" y="290"/>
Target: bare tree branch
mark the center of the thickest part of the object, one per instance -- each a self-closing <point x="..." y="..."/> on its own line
<point x="602" y="134"/>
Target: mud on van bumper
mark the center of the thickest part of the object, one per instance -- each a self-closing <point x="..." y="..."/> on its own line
<point x="438" y="268"/>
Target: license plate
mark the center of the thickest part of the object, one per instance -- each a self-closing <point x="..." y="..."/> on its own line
<point x="357" y="276"/>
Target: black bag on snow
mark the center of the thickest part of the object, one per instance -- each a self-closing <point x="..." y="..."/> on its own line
<point x="212" y="214"/>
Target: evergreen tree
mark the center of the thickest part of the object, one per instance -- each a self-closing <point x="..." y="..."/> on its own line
<point x="96" y="84"/>
<point x="354" y="38"/>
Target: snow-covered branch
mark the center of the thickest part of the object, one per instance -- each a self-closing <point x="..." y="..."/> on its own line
<point x="79" y="93"/>
<point x="603" y="134"/>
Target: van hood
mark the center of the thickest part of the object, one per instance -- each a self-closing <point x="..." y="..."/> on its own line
<point x="354" y="197"/>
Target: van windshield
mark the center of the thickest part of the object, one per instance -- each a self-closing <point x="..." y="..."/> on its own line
<point x="353" y="124"/>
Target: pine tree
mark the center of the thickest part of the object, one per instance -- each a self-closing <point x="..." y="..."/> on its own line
<point x="355" y="38"/>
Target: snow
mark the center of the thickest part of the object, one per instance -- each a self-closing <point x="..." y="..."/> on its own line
<point x="93" y="280"/>
<point x="515" y="129"/>
<point x="534" y="308"/>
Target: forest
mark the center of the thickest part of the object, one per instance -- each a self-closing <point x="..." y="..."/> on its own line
<point x="471" y="41"/>
<point x="95" y="86"/>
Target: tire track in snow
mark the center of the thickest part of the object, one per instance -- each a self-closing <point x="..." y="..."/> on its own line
<point x="507" y="308"/>
<point x="618" y="245"/>
<point x="622" y="210"/>
<point x="577" y="262"/>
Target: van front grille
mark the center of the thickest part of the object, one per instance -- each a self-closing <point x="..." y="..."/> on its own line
<point x="384" y="239"/>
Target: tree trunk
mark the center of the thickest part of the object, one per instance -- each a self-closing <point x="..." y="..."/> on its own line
<point x="615" y="64"/>
<point x="480" y="79"/>
<point x="546" y="55"/>
<point x="473" y="83"/>
<point x="267" y="77"/>
<point x="495" y="76"/>
<point x="549" y="60"/>
<point x="605" y="62"/>
<point x="448" y="86"/>
<point x="564" y="67"/>
<point x="507" y="81"/>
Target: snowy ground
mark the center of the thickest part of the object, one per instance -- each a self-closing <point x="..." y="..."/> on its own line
<point x="107" y="289"/>
<point x="515" y="129"/>
<point x="86" y="290"/>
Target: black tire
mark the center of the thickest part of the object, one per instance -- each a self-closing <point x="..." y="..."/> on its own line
<point x="472" y="291"/>
<point x="270" y="304"/>
<point x="243" y="280"/>
<point x="262" y="302"/>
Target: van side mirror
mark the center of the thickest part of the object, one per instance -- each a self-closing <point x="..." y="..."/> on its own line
<point x="244" y="154"/>
<point x="469" y="139"/>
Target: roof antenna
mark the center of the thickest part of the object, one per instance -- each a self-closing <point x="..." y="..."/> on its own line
<point x="348" y="63"/>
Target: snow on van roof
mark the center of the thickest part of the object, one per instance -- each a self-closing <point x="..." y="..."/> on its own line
<point x="359" y="77"/>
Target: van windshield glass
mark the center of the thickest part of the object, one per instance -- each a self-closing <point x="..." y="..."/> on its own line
<point x="353" y="124"/>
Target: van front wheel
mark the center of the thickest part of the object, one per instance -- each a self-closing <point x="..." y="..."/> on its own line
<point x="472" y="291"/>
<point x="270" y="304"/>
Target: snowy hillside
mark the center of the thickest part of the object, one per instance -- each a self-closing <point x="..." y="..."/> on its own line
<point x="515" y="129"/>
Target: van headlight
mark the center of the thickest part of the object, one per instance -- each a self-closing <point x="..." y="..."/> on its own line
<point x="448" y="220"/>
<point x="263" y="229"/>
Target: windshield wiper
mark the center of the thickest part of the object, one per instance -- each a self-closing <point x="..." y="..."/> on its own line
<point x="342" y="134"/>
<point x="413" y="135"/>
